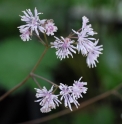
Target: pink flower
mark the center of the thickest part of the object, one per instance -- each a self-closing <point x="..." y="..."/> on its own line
<point x="47" y="99"/>
<point x="84" y="42"/>
<point x="66" y="95"/>
<point x="64" y="47"/>
<point x="70" y="94"/>
<point x="78" y="88"/>
<point x="32" y="21"/>
<point x="50" y="28"/>
<point x="25" y="36"/>
<point x="86" y="45"/>
<point x="93" y="54"/>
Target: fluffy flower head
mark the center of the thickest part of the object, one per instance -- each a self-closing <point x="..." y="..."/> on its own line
<point x="70" y="94"/>
<point x="50" y="28"/>
<point x="25" y="36"/>
<point x="32" y="21"/>
<point x="93" y="54"/>
<point x="66" y="95"/>
<point x="78" y="88"/>
<point x="84" y="42"/>
<point x="88" y="45"/>
<point x="47" y="100"/>
<point x="64" y="47"/>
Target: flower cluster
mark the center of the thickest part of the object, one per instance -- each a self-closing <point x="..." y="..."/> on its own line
<point x="65" y="47"/>
<point x="84" y="44"/>
<point x="70" y="94"/>
<point x="34" y="24"/>
<point x="80" y="41"/>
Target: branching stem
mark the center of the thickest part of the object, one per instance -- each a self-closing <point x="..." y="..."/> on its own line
<point x="26" y="78"/>
<point x="44" y="79"/>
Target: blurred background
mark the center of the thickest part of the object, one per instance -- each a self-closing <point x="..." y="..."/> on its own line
<point x="17" y="58"/>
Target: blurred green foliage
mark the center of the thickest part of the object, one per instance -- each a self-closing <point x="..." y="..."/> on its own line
<point x="102" y="115"/>
<point x="17" y="58"/>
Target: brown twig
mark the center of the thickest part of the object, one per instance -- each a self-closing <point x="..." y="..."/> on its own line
<point x="45" y="38"/>
<point x="13" y="89"/>
<point x="44" y="79"/>
<point x="82" y="105"/>
<point x="44" y="52"/>
<point x="40" y="39"/>
<point x="36" y="82"/>
<point x="117" y="94"/>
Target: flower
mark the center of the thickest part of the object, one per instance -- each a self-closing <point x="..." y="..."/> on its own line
<point x="25" y="36"/>
<point x="86" y="29"/>
<point x="50" y="28"/>
<point x="78" y="88"/>
<point x="70" y="94"/>
<point x="47" y="100"/>
<point x="64" y="47"/>
<point x="66" y="95"/>
<point x="86" y="45"/>
<point x="33" y="21"/>
<point x="93" y="54"/>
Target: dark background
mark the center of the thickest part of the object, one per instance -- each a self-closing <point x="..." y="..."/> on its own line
<point x="17" y="58"/>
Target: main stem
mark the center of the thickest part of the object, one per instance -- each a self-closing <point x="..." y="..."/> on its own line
<point x="27" y="77"/>
<point x="44" y="52"/>
<point x="13" y="89"/>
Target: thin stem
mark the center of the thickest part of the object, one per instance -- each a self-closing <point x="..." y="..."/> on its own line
<point x="44" y="52"/>
<point x="44" y="79"/>
<point x="41" y="40"/>
<point x="74" y="37"/>
<point x="36" y="82"/>
<point x="45" y="38"/>
<point x="55" y="89"/>
<point x="67" y="111"/>
<point x="118" y="86"/>
<point x="117" y="94"/>
<point x="71" y="34"/>
<point x="27" y="77"/>
<point x="13" y="89"/>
